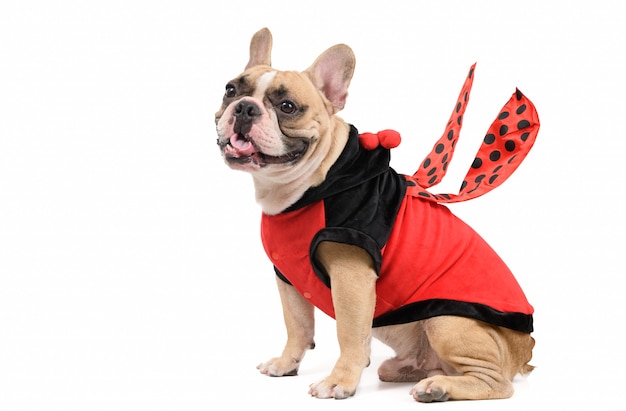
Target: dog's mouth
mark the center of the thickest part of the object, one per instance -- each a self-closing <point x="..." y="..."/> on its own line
<point x="240" y="149"/>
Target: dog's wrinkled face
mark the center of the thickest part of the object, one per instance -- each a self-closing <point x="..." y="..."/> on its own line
<point x="281" y="126"/>
<point x="272" y="118"/>
<point x="268" y="118"/>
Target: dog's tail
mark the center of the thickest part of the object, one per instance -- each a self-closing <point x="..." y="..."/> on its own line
<point x="506" y="144"/>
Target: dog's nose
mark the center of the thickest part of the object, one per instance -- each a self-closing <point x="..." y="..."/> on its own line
<point x="246" y="111"/>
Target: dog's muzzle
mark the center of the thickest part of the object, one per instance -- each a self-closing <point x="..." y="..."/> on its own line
<point x="241" y="148"/>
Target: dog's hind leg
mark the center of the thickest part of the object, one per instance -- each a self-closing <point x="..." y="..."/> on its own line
<point x="414" y="360"/>
<point x="485" y="358"/>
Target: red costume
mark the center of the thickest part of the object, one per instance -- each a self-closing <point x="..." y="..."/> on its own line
<point x="428" y="261"/>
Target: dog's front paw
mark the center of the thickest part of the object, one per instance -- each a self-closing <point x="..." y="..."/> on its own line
<point x="279" y="367"/>
<point x="328" y="388"/>
<point x="338" y="385"/>
<point x="430" y="390"/>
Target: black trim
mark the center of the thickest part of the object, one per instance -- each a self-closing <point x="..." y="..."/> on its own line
<point x="281" y="276"/>
<point x="423" y="310"/>
<point x="346" y="236"/>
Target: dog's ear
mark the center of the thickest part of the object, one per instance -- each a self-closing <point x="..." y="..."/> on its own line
<point x="332" y="72"/>
<point x="260" y="48"/>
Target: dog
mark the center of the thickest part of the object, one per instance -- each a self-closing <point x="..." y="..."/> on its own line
<point x="368" y="246"/>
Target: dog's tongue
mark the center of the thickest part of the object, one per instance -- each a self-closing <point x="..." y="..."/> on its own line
<point x="241" y="146"/>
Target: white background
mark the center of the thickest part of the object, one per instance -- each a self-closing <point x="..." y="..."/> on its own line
<point x="131" y="271"/>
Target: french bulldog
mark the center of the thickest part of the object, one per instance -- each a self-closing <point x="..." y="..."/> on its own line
<point x="350" y="236"/>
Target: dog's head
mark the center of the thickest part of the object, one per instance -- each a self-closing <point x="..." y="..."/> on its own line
<point x="281" y="126"/>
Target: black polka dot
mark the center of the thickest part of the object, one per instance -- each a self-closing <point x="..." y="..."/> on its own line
<point x="463" y="185"/>
<point x="458" y="106"/>
<point x="439" y="148"/>
<point x="490" y="138"/>
<point x="493" y="178"/>
<point x="450" y="134"/>
<point x="509" y="145"/>
<point x="446" y="196"/>
<point x="518" y="95"/>
<point x="511" y="159"/>
<point x="423" y="194"/>
<point x="471" y="73"/>
<point x="524" y="136"/>
<point x="465" y="96"/>
<point x="477" y="163"/>
<point x="495" y="170"/>
<point x="432" y="180"/>
<point x="503" y="129"/>
<point x="523" y="124"/>
<point x="427" y="163"/>
<point x="445" y="158"/>
<point x="479" y="178"/>
<point x="459" y="119"/>
<point x="445" y="166"/>
<point x="503" y="115"/>
<point x="432" y="171"/>
<point x="521" y="109"/>
<point x="494" y="155"/>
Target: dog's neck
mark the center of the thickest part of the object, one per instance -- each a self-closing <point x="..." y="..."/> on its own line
<point x="275" y="192"/>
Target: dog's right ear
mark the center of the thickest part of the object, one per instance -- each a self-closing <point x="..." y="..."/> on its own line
<point x="260" y="48"/>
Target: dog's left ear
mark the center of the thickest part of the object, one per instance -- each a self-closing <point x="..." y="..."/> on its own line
<point x="260" y="48"/>
<point x="332" y="72"/>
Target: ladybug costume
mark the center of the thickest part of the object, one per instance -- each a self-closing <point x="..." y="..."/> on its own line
<point x="429" y="262"/>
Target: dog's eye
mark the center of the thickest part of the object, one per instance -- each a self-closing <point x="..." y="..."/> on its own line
<point x="288" y="107"/>
<point x="230" y="91"/>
